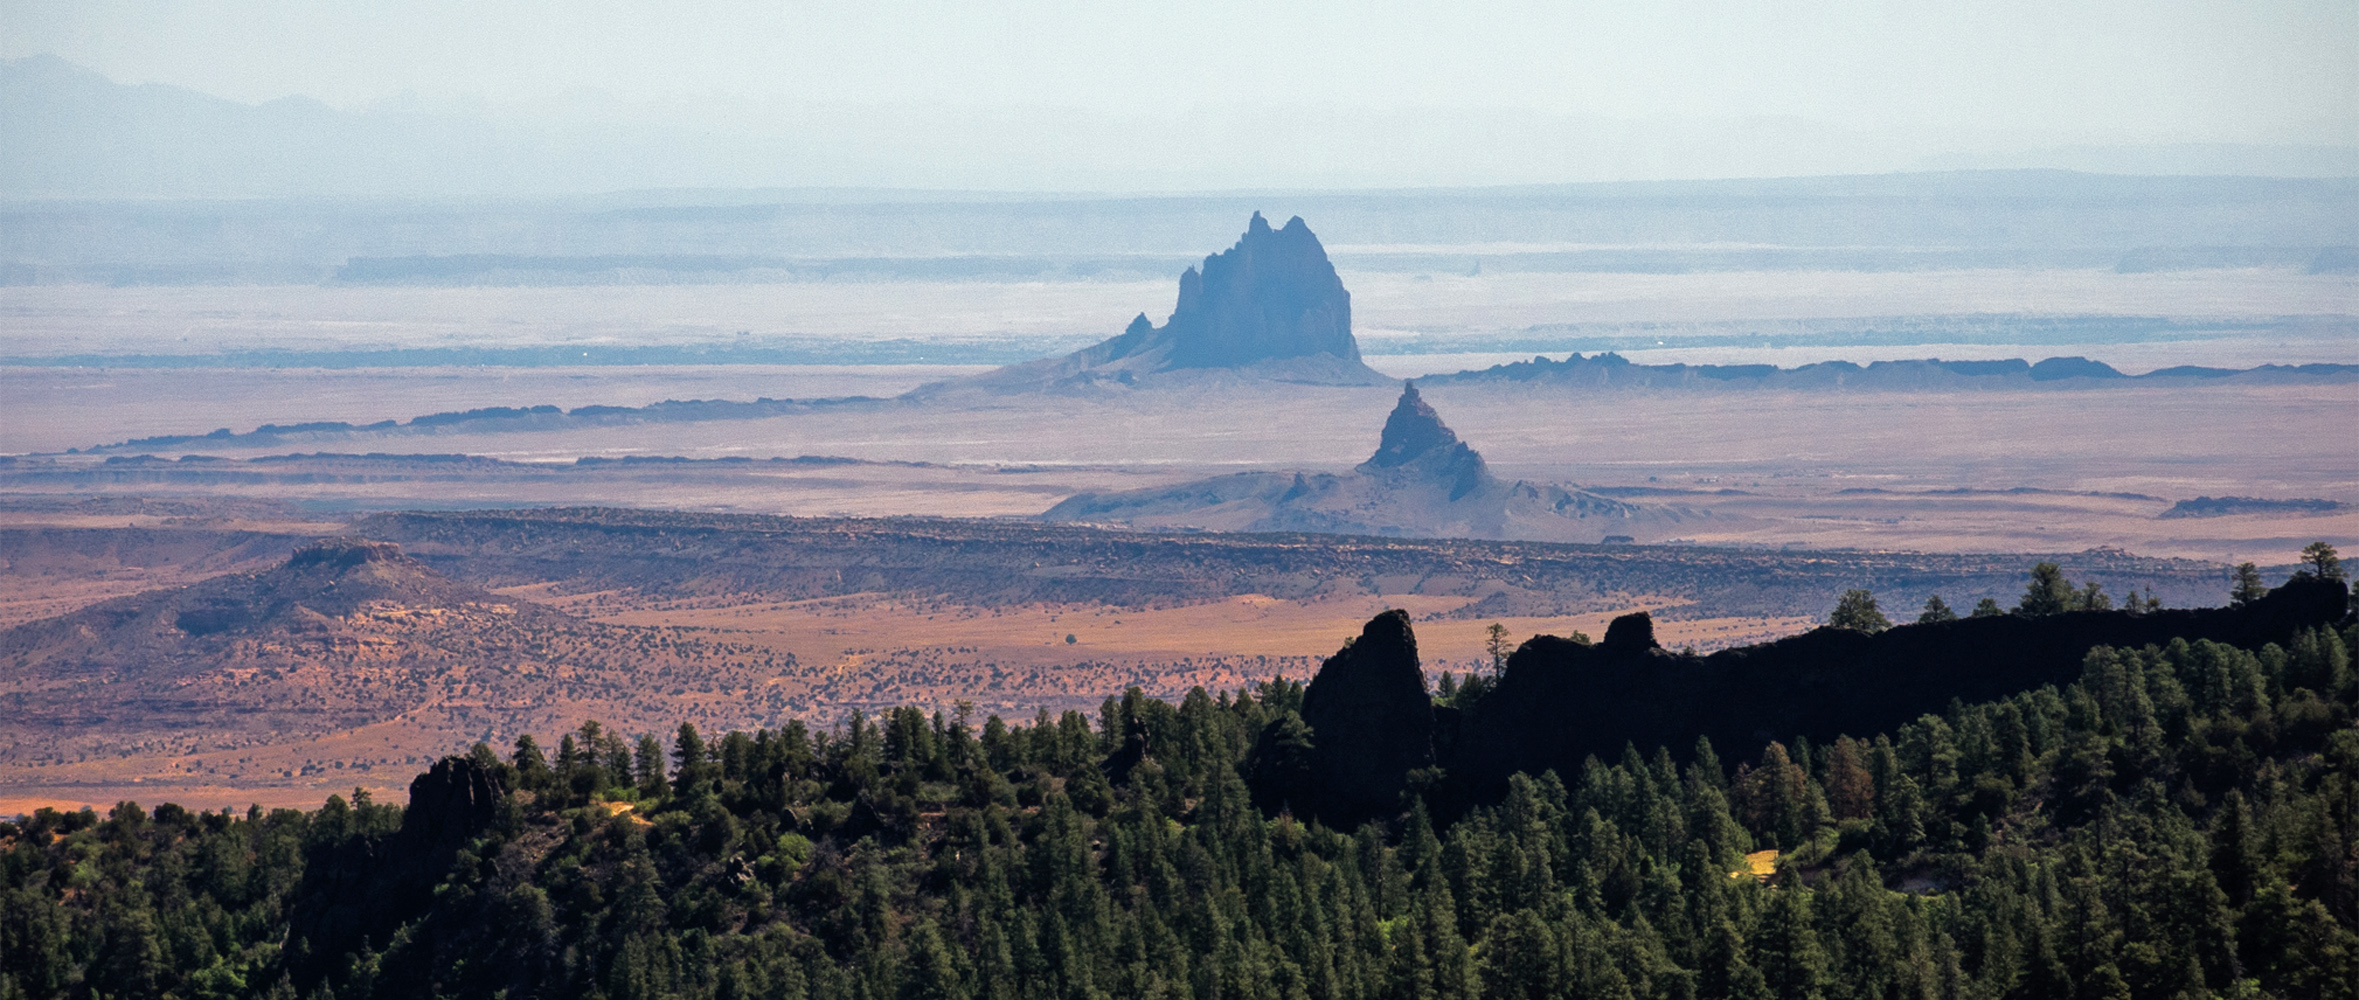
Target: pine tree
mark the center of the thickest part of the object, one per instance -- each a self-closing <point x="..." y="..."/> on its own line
<point x="648" y="763"/>
<point x="1495" y="644"/>
<point x="2049" y="592"/>
<point x="1521" y="959"/>
<point x="2321" y="561"/>
<point x="531" y="768"/>
<point x="691" y="762"/>
<point x="1936" y="610"/>
<point x="1856" y="610"/>
<point x="1851" y="791"/>
<point x="1786" y="947"/>
<point x="2248" y="586"/>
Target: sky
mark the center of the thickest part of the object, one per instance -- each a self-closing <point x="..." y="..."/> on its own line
<point x="1914" y="79"/>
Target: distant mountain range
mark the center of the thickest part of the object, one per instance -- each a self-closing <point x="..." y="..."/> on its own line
<point x="75" y="133"/>
<point x="150" y="184"/>
<point x="343" y="634"/>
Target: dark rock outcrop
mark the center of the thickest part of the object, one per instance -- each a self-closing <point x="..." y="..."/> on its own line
<point x="1424" y="449"/>
<point x="1631" y="633"/>
<point x="1371" y="721"/>
<point x="1559" y="701"/>
<point x="450" y="805"/>
<point x="360" y="887"/>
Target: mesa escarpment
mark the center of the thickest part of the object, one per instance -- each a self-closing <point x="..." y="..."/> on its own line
<point x="1422" y="481"/>
<point x="1608" y="370"/>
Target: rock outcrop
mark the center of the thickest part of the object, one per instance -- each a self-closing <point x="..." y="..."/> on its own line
<point x="1418" y="448"/>
<point x="1273" y="295"/>
<point x="361" y="886"/>
<point x="1421" y="481"/>
<point x="1371" y="721"/>
<point x="1271" y="305"/>
<point x="1561" y="701"/>
<point x="450" y="805"/>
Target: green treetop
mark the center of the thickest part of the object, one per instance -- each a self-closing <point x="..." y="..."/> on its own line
<point x="1856" y="610"/>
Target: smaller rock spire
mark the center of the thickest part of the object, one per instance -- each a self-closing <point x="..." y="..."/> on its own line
<point x="1413" y="429"/>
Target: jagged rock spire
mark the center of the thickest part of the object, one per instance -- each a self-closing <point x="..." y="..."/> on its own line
<point x="1273" y="295"/>
<point x="1418" y="445"/>
<point x="1412" y="430"/>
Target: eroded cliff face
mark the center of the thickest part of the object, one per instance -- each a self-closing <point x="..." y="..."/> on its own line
<point x="1559" y="702"/>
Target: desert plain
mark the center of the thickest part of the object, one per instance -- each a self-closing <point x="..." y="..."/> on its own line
<point x="130" y="415"/>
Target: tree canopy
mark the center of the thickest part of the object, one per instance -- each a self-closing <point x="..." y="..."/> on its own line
<point x="2178" y="822"/>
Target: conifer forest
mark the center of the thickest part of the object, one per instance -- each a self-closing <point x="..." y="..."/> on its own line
<point x="2180" y="820"/>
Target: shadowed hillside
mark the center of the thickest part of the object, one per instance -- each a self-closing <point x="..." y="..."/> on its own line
<point x="345" y="634"/>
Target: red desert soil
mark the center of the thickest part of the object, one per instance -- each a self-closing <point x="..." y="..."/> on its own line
<point x="863" y="652"/>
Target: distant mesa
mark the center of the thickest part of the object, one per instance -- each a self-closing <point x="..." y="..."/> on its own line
<point x="1420" y="482"/>
<point x="1272" y="305"/>
<point x="2231" y="506"/>
<point x="1609" y="370"/>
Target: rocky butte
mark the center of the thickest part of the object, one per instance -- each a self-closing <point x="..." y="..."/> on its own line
<point x="1421" y="481"/>
<point x="1270" y="306"/>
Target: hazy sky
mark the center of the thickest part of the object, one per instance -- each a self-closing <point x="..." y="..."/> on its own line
<point x="1104" y="95"/>
<point x="2217" y="71"/>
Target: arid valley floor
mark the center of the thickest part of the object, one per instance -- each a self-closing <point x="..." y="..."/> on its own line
<point x="153" y="437"/>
